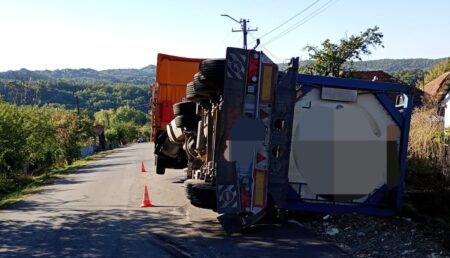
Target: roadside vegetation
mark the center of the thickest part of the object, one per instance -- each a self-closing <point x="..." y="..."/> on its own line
<point x="37" y="142"/>
<point x="123" y="125"/>
<point x="428" y="176"/>
<point x="35" y="139"/>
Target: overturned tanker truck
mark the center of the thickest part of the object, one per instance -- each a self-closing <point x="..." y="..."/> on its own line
<point x="255" y="141"/>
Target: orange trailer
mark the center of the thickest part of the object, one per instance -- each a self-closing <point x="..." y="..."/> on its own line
<point x="172" y="75"/>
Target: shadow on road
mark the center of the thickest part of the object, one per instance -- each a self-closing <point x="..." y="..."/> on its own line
<point x="95" y="167"/>
<point x="133" y="233"/>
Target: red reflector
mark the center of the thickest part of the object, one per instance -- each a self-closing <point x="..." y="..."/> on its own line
<point x="259" y="158"/>
<point x="253" y="67"/>
<point x="245" y="198"/>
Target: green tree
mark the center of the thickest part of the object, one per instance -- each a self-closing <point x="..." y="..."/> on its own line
<point x="72" y="132"/>
<point x="127" y="114"/>
<point x="105" y="117"/>
<point x="331" y="57"/>
<point x="410" y="77"/>
<point x="145" y="131"/>
<point x="435" y="72"/>
<point x="12" y="141"/>
<point x="111" y="135"/>
<point x="41" y="145"/>
<point x="126" y="132"/>
<point x="122" y="125"/>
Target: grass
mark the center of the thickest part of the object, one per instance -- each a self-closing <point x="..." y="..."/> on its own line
<point x="36" y="183"/>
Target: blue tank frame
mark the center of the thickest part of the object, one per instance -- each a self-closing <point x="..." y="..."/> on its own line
<point x="381" y="90"/>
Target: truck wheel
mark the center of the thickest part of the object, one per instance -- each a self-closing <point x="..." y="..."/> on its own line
<point x="192" y="94"/>
<point x="188" y="186"/>
<point x="206" y="88"/>
<point x="203" y="195"/>
<point x="184" y="108"/>
<point x="213" y="69"/>
<point x="160" y="169"/>
<point x="188" y="121"/>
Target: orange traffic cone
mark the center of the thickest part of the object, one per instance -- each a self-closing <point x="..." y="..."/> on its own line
<point x="146" y="202"/>
<point x="142" y="167"/>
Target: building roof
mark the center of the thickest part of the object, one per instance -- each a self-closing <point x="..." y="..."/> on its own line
<point x="438" y="87"/>
<point x="379" y="76"/>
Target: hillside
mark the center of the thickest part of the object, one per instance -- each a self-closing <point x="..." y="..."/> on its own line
<point x="92" y="96"/>
<point x="133" y="76"/>
<point x="146" y="74"/>
<point x="392" y="65"/>
<point x="118" y="87"/>
<point x="396" y="65"/>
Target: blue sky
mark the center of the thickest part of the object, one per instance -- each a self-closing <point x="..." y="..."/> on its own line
<point x="99" y="34"/>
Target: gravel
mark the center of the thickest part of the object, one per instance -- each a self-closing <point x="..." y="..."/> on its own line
<point x="366" y="236"/>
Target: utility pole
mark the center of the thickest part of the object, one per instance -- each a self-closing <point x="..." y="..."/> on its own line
<point x="244" y="29"/>
<point x="78" y="106"/>
<point x="76" y="102"/>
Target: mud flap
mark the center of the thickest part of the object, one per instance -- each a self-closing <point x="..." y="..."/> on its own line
<point x="235" y="224"/>
<point x="231" y="223"/>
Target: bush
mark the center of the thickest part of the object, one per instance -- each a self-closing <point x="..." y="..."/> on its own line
<point x="34" y="139"/>
<point x="426" y="141"/>
<point x="123" y="125"/>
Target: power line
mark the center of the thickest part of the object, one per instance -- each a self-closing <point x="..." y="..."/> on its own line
<point x="303" y="21"/>
<point x="277" y="60"/>
<point x="318" y="11"/>
<point x="226" y="38"/>
<point x="290" y="19"/>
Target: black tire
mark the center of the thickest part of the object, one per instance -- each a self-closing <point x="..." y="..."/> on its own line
<point x="205" y="85"/>
<point x="213" y="69"/>
<point x="187" y="121"/>
<point x="192" y="95"/>
<point x="160" y="168"/>
<point x="190" y="90"/>
<point x="203" y="195"/>
<point x="184" y="108"/>
<point x="188" y="186"/>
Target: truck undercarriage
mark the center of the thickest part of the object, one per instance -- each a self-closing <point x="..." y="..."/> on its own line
<point x="234" y="132"/>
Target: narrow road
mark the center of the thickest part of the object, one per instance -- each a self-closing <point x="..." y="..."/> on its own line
<point x="95" y="212"/>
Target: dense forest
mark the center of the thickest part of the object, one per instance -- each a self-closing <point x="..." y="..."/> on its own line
<point x="93" y="96"/>
<point x="110" y="89"/>
<point x="147" y="74"/>
<point x="130" y="76"/>
<point x="396" y="65"/>
<point x="391" y="65"/>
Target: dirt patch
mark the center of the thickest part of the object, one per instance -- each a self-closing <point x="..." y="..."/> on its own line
<point x="366" y="236"/>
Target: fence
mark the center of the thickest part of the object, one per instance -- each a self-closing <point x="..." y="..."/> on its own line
<point x="87" y="151"/>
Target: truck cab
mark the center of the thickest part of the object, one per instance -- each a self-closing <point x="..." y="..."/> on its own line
<point x="172" y="75"/>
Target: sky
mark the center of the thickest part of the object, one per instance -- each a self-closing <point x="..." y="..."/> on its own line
<point x="108" y="34"/>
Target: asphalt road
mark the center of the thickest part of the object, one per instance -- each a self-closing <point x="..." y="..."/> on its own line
<point x="95" y="212"/>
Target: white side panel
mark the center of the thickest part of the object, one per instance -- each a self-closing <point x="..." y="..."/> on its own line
<point x="339" y="148"/>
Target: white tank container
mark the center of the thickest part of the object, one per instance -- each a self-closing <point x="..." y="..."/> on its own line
<point x="339" y="149"/>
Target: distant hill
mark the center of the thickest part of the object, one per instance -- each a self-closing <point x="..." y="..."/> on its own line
<point x="396" y="65"/>
<point x="113" y="88"/>
<point x="392" y="65"/>
<point x="133" y="76"/>
<point x="146" y="75"/>
<point x="92" y="96"/>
